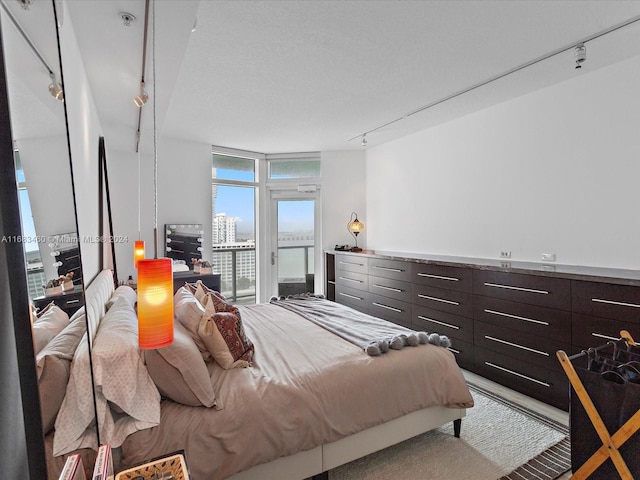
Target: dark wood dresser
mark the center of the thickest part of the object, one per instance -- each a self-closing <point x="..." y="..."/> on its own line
<point x="506" y="320"/>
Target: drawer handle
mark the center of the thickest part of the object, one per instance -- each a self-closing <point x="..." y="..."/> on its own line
<point x="438" y="322"/>
<point x="399" y="290"/>
<point x="499" y="340"/>
<point x="520" y="289"/>
<point x="516" y="317"/>
<point x="438" y="277"/>
<point x="387" y="307"/>
<point x="352" y="263"/>
<point x="69" y="302"/>
<point x="389" y="269"/>
<point x="453" y="350"/>
<point x="427" y="297"/>
<point x="351" y="296"/>
<point x="600" y="335"/>
<point x="611" y="302"/>
<point x="489" y="364"/>
<point x="351" y="280"/>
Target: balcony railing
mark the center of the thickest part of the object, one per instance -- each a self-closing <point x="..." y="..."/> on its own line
<point x="237" y="267"/>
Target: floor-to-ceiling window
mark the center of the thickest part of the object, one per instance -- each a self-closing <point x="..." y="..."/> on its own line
<point x="233" y="195"/>
<point x="35" y="272"/>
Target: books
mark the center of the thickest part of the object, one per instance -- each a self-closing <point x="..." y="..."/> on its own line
<point x="73" y="468"/>
<point x="103" y="468"/>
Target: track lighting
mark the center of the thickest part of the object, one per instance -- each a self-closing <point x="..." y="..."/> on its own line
<point x="141" y="99"/>
<point x="55" y="89"/>
<point x="581" y="55"/>
<point x="364" y="140"/>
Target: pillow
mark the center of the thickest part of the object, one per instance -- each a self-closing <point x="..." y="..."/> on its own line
<point x="53" y="365"/>
<point x="126" y="397"/>
<point x="199" y="289"/>
<point x="179" y="371"/>
<point x="122" y="291"/>
<point x="224" y="335"/>
<point x="42" y="311"/>
<point x="188" y="311"/>
<point x="48" y="325"/>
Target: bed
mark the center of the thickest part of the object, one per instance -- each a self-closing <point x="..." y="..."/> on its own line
<point x="307" y="401"/>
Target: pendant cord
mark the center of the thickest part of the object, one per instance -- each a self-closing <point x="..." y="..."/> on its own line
<point x="139" y="201"/>
<point x="155" y="143"/>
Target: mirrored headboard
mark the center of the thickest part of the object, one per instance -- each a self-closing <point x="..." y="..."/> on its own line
<point x="183" y="241"/>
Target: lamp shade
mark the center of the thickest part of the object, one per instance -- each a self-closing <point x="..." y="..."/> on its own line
<point x="155" y="303"/>
<point x="356" y="226"/>
<point x="138" y="252"/>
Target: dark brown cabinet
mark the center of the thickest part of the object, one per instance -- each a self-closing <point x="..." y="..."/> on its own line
<point x="506" y="322"/>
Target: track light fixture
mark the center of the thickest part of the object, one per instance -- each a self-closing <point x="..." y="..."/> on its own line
<point x="142" y="98"/>
<point x="364" y="140"/>
<point x="55" y="89"/>
<point x="581" y="55"/>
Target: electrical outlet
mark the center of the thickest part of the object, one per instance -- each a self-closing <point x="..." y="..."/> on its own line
<point x="505" y="254"/>
<point x="548" y="257"/>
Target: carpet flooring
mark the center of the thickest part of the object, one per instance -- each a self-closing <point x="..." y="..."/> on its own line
<point x="499" y="440"/>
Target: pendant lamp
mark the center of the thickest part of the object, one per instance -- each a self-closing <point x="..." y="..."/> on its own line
<point x="155" y="276"/>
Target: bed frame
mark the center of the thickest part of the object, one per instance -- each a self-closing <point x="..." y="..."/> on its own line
<point x="317" y="462"/>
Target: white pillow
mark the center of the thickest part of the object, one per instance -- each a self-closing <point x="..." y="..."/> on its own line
<point x="188" y="311"/>
<point x="123" y="291"/>
<point x="48" y="325"/>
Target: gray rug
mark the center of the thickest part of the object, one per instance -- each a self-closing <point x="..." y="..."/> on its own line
<point x="498" y="440"/>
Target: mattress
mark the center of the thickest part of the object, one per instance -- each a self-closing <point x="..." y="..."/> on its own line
<point x="306" y="387"/>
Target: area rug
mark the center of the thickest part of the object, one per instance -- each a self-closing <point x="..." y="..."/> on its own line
<point x="499" y="440"/>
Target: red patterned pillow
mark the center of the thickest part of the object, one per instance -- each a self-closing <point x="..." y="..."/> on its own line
<point x="224" y="336"/>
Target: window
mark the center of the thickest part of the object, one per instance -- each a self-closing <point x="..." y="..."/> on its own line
<point x="233" y="197"/>
<point x="298" y="165"/>
<point x="35" y="270"/>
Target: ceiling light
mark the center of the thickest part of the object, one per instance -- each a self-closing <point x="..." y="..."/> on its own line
<point x="142" y="98"/>
<point x="55" y="89"/>
<point x="364" y="140"/>
<point x="581" y="55"/>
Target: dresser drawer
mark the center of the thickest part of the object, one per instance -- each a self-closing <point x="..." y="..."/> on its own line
<point x="453" y="326"/>
<point x="542" y="321"/>
<point x="523" y="346"/>
<point x="463" y="352"/>
<point x="359" y="281"/>
<point x="619" y="302"/>
<point x="396" y="269"/>
<point x="390" y="309"/>
<point x="532" y="289"/>
<point x="357" y="299"/>
<point x="390" y="288"/>
<point x="548" y="386"/>
<point x="352" y="263"/>
<point x="452" y="301"/>
<point x="442" y="276"/>
<point x="589" y="331"/>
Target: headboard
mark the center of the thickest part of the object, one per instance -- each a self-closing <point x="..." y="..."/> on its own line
<point x="96" y="296"/>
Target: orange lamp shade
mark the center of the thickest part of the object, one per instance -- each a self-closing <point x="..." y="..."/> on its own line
<point x="155" y="303"/>
<point x="138" y="252"/>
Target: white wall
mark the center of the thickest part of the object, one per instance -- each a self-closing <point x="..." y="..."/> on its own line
<point x="184" y="195"/>
<point x="555" y="171"/>
<point x="84" y="132"/>
<point x="343" y="192"/>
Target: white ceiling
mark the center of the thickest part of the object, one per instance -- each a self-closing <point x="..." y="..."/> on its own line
<point x="286" y="76"/>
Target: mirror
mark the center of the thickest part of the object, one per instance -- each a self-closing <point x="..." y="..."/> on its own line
<point x="43" y="165"/>
<point x="183" y="242"/>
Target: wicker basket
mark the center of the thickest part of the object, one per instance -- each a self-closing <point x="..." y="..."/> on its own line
<point x="173" y="466"/>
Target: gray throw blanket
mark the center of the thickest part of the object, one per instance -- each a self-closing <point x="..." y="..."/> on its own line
<point x="374" y="335"/>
